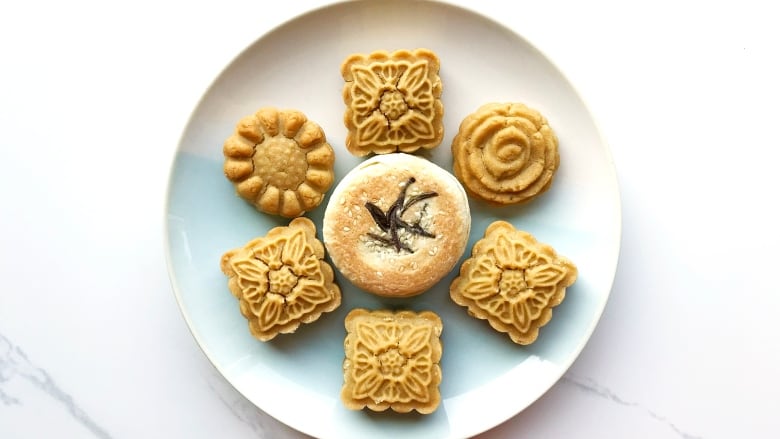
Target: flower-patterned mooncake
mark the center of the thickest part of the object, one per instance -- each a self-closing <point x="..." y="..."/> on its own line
<point x="392" y="361"/>
<point x="281" y="280"/>
<point x="512" y="281"/>
<point x="279" y="161"/>
<point x="393" y="101"/>
<point x="505" y="153"/>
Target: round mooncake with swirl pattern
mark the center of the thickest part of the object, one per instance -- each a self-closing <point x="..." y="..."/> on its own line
<point x="279" y="161"/>
<point x="505" y="153"/>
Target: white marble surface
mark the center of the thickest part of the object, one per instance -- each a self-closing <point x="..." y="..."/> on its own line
<point x="93" y="97"/>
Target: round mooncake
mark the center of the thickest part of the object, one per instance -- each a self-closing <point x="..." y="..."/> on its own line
<point x="279" y="161"/>
<point x="396" y="224"/>
<point x="505" y="153"/>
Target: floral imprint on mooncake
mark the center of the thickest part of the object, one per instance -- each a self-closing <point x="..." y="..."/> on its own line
<point x="281" y="280"/>
<point x="279" y="161"/>
<point x="392" y="361"/>
<point x="393" y="101"/>
<point x="512" y="281"/>
<point x="505" y="153"/>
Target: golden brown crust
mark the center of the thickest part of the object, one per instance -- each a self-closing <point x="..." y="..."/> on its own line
<point x="512" y="281"/>
<point x="393" y="101"/>
<point x="363" y="252"/>
<point x="505" y="153"/>
<point x="279" y="161"/>
<point x="281" y="280"/>
<point x="392" y="361"/>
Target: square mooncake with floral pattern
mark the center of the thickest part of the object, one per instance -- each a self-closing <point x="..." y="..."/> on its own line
<point x="392" y="361"/>
<point x="393" y="101"/>
<point x="513" y="281"/>
<point x="281" y="280"/>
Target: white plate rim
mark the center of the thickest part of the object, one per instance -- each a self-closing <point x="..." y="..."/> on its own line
<point x="587" y="333"/>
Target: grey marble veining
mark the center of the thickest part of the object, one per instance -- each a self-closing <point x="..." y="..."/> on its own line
<point x="14" y="364"/>
<point x="262" y="424"/>
<point x="243" y="410"/>
<point x="593" y="388"/>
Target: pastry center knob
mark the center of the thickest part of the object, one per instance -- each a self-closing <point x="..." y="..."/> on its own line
<point x="512" y="284"/>
<point x="392" y="362"/>
<point x="282" y="280"/>
<point x="279" y="163"/>
<point x="392" y="104"/>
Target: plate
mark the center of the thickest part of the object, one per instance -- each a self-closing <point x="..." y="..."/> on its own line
<point x="297" y="378"/>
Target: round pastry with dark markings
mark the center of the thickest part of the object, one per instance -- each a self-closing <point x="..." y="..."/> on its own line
<point x="396" y="224"/>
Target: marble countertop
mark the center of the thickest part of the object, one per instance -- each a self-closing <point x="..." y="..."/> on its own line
<point x="93" y="99"/>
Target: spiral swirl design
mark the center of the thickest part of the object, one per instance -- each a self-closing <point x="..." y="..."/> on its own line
<point x="505" y="153"/>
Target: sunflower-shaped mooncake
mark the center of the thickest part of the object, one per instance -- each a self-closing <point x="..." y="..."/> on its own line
<point x="279" y="161"/>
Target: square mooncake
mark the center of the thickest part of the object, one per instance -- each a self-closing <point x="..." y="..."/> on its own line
<point x="392" y="361"/>
<point x="393" y="101"/>
<point x="513" y="281"/>
<point x="281" y="280"/>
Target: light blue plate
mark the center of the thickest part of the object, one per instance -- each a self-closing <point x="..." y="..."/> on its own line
<point x="297" y="377"/>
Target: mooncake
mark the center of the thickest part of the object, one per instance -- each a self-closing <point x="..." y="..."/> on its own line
<point x="505" y="153"/>
<point x="396" y="224"/>
<point x="279" y="161"/>
<point x="393" y="101"/>
<point x="392" y="361"/>
<point x="281" y="280"/>
<point x="512" y="281"/>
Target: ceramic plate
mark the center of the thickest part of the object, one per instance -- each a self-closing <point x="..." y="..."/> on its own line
<point x="297" y="377"/>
